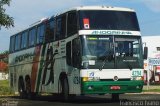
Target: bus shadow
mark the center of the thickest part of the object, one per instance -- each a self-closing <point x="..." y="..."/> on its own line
<point x="74" y="100"/>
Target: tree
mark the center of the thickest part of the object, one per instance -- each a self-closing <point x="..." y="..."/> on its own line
<point x="4" y="56"/>
<point x="5" y="19"/>
<point x="4" y="61"/>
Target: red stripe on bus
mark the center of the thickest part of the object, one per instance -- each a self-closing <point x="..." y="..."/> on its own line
<point x="35" y="67"/>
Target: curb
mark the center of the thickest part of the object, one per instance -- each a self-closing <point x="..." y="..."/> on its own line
<point x="150" y="92"/>
<point x="145" y="93"/>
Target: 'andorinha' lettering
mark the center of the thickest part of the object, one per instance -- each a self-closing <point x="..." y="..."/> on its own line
<point x="111" y="32"/>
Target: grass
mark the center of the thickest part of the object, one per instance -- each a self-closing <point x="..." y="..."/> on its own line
<point x="152" y="90"/>
<point x="4" y="83"/>
<point x="4" y="88"/>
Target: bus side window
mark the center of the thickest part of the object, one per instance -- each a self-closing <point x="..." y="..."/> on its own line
<point x="40" y="33"/>
<point x="68" y="53"/>
<point x="32" y="37"/>
<point x="76" y="53"/>
<point x="12" y="40"/>
<point x="17" y="42"/>
<point x="24" y="40"/>
<point x="49" y="36"/>
<point x="60" y="27"/>
<point x="72" y="23"/>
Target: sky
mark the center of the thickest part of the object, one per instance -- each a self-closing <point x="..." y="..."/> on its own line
<point x="26" y="12"/>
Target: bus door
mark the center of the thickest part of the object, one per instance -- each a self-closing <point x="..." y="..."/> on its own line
<point x="76" y="65"/>
<point x="73" y="64"/>
<point x="76" y="58"/>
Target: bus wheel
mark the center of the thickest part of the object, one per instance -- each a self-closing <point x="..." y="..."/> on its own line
<point x="65" y="89"/>
<point x="21" y="90"/>
<point x="115" y="97"/>
<point x="30" y="95"/>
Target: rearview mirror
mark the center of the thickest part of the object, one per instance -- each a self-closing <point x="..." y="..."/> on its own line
<point x="145" y="54"/>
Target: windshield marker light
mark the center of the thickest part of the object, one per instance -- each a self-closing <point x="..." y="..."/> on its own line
<point x="103" y="38"/>
<point x="92" y="38"/>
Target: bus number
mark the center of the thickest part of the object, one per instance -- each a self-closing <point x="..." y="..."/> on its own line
<point x="76" y="80"/>
<point x="136" y="73"/>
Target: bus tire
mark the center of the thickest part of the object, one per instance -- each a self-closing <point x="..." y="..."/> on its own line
<point x="65" y="89"/>
<point x="115" y="97"/>
<point x="21" y="90"/>
<point x="30" y="95"/>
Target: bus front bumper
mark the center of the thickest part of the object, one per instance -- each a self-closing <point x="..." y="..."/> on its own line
<point x="103" y="87"/>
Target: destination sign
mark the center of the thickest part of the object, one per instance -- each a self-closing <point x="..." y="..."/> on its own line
<point x="108" y="32"/>
<point x="154" y="61"/>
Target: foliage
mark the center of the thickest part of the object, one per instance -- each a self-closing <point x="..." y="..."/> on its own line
<point x="4" y="88"/>
<point x="5" y="19"/>
<point x="4" y="61"/>
<point x="5" y="53"/>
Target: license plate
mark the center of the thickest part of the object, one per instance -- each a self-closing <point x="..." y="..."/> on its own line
<point x="115" y="87"/>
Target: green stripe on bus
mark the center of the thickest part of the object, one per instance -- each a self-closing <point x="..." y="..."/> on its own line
<point x="41" y="67"/>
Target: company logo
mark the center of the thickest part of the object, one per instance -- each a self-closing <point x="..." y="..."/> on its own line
<point x="111" y="32"/>
<point x="115" y="78"/>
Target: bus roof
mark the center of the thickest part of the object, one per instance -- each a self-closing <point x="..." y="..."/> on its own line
<point x="102" y="8"/>
<point x="111" y="8"/>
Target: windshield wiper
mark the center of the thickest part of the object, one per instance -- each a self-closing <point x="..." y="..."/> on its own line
<point x="104" y="62"/>
<point x="129" y="65"/>
<point x="106" y="57"/>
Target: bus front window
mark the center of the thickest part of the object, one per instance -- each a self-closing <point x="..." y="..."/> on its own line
<point x="112" y="52"/>
<point x="128" y="52"/>
<point x="97" y="49"/>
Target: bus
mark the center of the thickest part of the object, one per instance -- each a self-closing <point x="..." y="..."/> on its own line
<point x="84" y="50"/>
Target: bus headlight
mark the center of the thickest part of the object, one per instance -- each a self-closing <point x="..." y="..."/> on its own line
<point x="137" y="78"/>
<point x="84" y="79"/>
<point x="90" y="79"/>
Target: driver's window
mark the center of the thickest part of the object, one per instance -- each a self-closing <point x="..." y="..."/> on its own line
<point x="124" y="48"/>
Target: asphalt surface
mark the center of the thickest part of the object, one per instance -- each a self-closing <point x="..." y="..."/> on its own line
<point x="89" y="100"/>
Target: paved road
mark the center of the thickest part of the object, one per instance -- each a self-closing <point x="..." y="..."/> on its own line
<point x="125" y="100"/>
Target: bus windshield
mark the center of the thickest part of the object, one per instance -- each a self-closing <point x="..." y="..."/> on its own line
<point x="109" y="20"/>
<point x="112" y="51"/>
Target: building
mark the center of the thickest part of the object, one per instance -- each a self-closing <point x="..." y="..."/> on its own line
<point x="152" y="64"/>
<point x="3" y="67"/>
